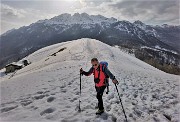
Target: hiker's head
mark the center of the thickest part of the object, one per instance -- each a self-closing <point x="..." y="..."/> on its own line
<point x="95" y="63"/>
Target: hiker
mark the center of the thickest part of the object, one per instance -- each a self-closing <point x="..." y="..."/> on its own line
<point x="101" y="75"/>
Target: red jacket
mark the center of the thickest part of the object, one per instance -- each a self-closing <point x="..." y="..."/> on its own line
<point x="102" y="76"/>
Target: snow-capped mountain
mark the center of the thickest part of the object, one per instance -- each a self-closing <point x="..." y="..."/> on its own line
<point x="147" y="28"/>
<point x="48" y="88"/>
<point x="168" y="34"/>
<point x="84" y="18"/>
<point x="21" y="42"/>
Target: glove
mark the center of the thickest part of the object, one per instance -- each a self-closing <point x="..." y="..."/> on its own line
<point x="115" y="81"/>
<point x="81" y="71"/>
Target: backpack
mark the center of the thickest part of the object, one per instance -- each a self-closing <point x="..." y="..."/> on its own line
<point x="105" y="64"/>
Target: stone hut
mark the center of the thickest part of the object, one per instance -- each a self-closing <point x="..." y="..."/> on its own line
<point x="12" y="67"/>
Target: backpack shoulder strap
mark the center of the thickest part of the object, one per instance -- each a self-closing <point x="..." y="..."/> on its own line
<point x="94" y="72"/>
<point x="103" y="67"/>
<point x="103" y="70"/>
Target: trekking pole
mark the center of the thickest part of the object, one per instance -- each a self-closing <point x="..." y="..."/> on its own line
<point x="80" y="95"/>
<point x="121" y="103"/>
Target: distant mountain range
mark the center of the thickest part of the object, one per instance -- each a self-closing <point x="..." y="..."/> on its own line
<point x="18" y="43"/>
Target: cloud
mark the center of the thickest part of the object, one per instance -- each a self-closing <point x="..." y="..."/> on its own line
<point x="14" y="17"/>
<point x="154" y="12"/>
<point x="20" y="13"/>
<point x="148" y="11"/>
<point x="9" y="17"/>
<point x="9" y="12"/>
<point x="93" y="2"/>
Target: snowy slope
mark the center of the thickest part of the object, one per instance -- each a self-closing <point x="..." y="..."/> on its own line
<point x="48" y="89"/>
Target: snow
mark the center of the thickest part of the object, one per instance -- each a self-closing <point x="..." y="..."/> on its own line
<point x="147" y="28"/>
<point x="68" y="19"/>
<point x="158" y="47"/>
<point x="140" y="25"/>
<point x="48" y="88"/>
<point x="121" y="27"/>
<point x="14" y="63"/>
<point x="86" y="21"/>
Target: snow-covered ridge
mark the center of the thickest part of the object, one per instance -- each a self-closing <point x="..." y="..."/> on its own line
<point x="147" y="28"/>
<point x="7" y="32"/>
<point x="158" y="48"/>
<point x="84" y="18"/>
<point x="167" y="26"/>
<point x="48" y="88"/>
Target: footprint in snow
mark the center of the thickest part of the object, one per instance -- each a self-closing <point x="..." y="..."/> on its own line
<point x="106" y="116"/>
<point x="62" y="86"/>
<point x="25" y="102"/>
<point x="6" y="109"/>
<point x="135" y="94"/>
<point x="74" y="99"/>
<point x="39" y="92"/>
<point x="4" y="104"/>
<point x="39" y="97"/>
<point x="69" y="83"/>
<point x="50" y="99"/>
<point x="47" y="111"/>
<point x="63" y="90"/>
<point x="34" y="107"/>
<point x="108" y="107"/>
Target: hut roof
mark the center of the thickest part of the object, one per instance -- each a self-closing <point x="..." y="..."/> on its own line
<point x="13" y="64"/>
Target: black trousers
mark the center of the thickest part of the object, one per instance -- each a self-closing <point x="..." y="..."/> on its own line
<point x="99" y="95"/>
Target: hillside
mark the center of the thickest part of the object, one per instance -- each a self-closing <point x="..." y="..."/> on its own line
<point x="162" y="40"/>
<point x="48" y="88"/>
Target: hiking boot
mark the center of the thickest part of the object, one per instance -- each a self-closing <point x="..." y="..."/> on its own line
<point x="99" y="112"/>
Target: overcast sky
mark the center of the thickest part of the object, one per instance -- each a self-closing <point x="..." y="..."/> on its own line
<point x="17" y="13"/>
